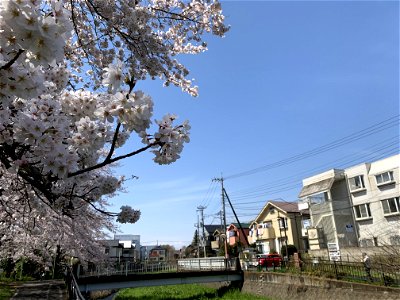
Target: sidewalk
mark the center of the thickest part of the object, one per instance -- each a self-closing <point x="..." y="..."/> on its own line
<point x="41" y="290"/>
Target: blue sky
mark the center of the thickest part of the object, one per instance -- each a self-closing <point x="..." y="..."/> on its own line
<point x="288" y="77"/>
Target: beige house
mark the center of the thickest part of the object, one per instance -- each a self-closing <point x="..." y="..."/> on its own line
<point x="278" y="224"/>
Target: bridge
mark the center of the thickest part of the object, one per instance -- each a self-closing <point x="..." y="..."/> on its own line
<point x="184" y="271"/>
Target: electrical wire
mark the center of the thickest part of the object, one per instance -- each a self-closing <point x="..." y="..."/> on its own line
<point x="376" y="128"/>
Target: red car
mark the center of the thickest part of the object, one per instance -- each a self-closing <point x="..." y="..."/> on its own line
<point x="269" y="260"/>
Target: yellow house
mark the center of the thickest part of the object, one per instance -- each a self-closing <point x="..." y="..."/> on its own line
<point x="279" y="224"/>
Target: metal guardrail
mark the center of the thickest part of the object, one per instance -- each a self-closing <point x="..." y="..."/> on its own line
<point x="129" y="268"/>
<point x="192" y="264"/>
<point x="72" y="286"/>
<point x="207" y="264"/>
<point x="352" y="271"/>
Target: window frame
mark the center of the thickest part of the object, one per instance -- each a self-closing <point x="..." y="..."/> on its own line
<point x="283" y="223"/>
<point x="389" y="206"/>
<point x="381" y="175"/>
<point x="353" y="183"/>
<point x="359" y="214"/>
<point x="267" y="224"/>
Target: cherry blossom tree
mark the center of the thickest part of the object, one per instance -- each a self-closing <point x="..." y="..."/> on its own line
<point x="68" y="71"/>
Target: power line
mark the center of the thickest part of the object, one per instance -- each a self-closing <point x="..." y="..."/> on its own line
<point x="333" y="210"/>
<point x="379" y="150"/>
<point x="386" y="124"/>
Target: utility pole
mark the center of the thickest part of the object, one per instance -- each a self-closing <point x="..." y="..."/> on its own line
<point x="197" y="237"/>
<point x="201" y="209"/>
<point x="223" y="217"/>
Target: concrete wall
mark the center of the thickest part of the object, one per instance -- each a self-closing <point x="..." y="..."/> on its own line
<point x="290" y="286"/>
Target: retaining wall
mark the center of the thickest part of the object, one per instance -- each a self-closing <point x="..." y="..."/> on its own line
<point x="281" y="286"/>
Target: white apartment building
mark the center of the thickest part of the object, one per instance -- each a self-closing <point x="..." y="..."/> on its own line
<point x="357" y="206"/>
<point x="374" y="190"/>
<point x="327" y="198"/>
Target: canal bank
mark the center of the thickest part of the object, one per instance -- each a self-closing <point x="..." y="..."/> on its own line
<point x="283" y="286"/>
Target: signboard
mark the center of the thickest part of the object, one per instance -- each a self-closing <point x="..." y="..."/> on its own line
<point x="334" y="255"/>
<point x="334" y="252"/>
<point x="333" y="247"/>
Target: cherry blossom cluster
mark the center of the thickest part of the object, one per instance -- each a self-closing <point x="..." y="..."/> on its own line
<point x="128" y="215"/>
<point x="68" y="72"/>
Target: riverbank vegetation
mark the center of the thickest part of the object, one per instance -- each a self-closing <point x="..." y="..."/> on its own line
<point x="184" y="292"/>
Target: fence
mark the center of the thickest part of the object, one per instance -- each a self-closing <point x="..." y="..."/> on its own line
<point x="382" y="274"/>
<point x="129" y="268"/>
<point x="194" y="264"/>
<point x="207" y="264"/>
<point x="72" y="286"/>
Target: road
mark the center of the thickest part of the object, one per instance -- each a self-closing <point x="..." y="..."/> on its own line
<point x="41" y="290"/>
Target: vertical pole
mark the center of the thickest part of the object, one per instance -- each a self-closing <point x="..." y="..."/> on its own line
<point x="223" y="217"/>
<point x="198" y="236"/>
<point x="223" y="211"/>
<point x="201" y="209"/>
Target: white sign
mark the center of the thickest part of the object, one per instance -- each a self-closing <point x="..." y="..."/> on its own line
<point x="334" y="255"/>
<point x="333" y="247"/>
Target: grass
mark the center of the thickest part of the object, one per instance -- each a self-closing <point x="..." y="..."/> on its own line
<point x="184" y="292"/>
<point x="6" y="291"/>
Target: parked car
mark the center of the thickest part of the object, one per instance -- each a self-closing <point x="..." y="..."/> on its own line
<point x="269" y="260"/>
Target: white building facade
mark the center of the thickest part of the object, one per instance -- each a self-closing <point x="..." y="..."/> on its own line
<point x="357" y="206"/>
<point x="327" y="198"/>
<point x="374" y="190"/>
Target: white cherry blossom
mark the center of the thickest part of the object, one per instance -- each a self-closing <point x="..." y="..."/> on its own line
<point x="68" y="100"/>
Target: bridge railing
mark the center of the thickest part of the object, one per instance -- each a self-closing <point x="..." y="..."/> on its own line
<point x="192" y="264"/>
<point x="207" y="264"/>
<point x="131" y="268"/>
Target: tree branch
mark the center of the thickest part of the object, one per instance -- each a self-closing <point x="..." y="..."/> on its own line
<point x="114" y="141"/>
<point x="10" y="63"/>
<point x="109" y="161"/>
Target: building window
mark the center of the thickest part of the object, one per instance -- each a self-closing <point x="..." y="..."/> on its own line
<point x="318" y="198"/>
<point x="357" y="183"/>
<point x="306" y="223"/>
<point x="362" y="211"/>
<point x="395" y="240"/>
<point x="391" y="206"/>
<point x="267" y="224"/>
<point x="366" y="243"/>
<point x="384" y="178"/>
<point x="282" y="223"/>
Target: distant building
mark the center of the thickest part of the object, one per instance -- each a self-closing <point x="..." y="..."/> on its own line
<point x="213" y="239"/>
<point x="123" y="248"/>
<point x="238" y="235"/>
<point x="157" y="254"/>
